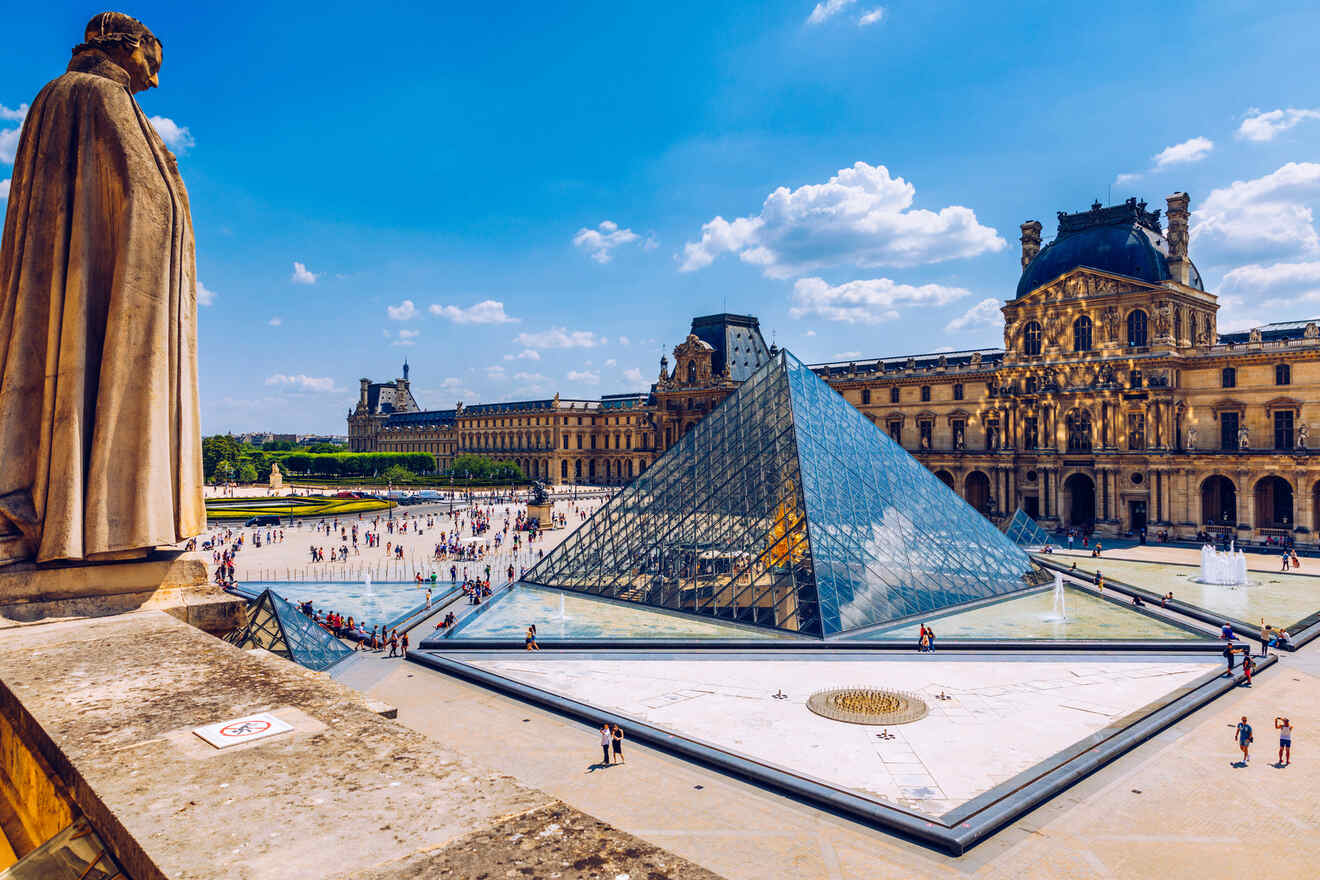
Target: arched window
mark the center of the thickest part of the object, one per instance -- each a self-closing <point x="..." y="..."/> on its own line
<point x="1228" y="378"/>
<point x="1136" y="329"/>
<point x="1031" y="339"/>
<point x="1082" y="334"/>
<point x="692" y="372"/>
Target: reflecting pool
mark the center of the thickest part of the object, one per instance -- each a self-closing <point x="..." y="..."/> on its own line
<point x="1282" y="599"/>
<point x="559" y="615"/>
<point x="1036" y="616"/>
<point x="373" y="604"/>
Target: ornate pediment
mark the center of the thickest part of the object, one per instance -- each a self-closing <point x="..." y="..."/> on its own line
<point x="1082" y="283"/>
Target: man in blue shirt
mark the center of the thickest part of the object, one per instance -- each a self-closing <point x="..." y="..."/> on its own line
<point x="1244" y="738"/>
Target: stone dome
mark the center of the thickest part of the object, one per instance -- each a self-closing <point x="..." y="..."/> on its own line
<point x="1123" y="240"/>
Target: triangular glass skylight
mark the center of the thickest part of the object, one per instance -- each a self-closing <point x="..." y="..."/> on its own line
<point x="1025" y="531"/>
<point x="787" y="508"/>
<point x="279" y="627"/>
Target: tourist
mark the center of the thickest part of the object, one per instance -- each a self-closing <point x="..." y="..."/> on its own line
<point x="923" y="640"/>
<point x="428" y="598"/>
<point x="617" y="736"/>
<point x="529" y="642"/>
<point x="403" y="644"/>
<point x="394" y="644"/>
<point x="1226" y="631"/>
<point x="1295" y="564"/>
<point x="607" y="739"/>
<point x="1285" y="561"/>
<point x="1284" y="726"/>
<point x="1244" y="739"/>
<point x="930" y="640"/>
<point x="1266" y="637"/>
<point x="1247" y="665"/>
<point x="1100" y="582"/>
<point x="1229" y="652"/>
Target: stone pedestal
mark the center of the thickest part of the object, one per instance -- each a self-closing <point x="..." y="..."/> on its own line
<point x="276" y="478"/>
<point x="544" y="514"/>
<point x="168" y="581"/>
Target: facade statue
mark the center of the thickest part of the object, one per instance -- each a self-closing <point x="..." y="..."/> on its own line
<point x="1254" y="336"/>
<point x="1191" y="439"/>
<point x="1303" y="435"/>
<point x="1244" y="439"/>
<point x="1164" y="321"/>
<point x="1110" y="319"/>
<point x="100" y="440"/>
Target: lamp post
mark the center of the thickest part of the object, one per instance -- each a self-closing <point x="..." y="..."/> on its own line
<point x="389" y="490"/>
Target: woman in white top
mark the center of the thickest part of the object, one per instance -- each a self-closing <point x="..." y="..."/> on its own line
<point x="1284" y="727"/>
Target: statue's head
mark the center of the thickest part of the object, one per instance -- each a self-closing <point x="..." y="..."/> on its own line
<point x="130" y="44"/>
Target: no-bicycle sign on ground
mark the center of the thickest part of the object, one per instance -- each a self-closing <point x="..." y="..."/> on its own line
<point x="242" y="730"/>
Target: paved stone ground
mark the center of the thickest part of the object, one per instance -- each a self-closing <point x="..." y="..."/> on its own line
<point x="1175" y="807"/>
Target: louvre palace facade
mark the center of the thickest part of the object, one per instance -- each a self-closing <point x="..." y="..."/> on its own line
<point x="1114" y="403"/>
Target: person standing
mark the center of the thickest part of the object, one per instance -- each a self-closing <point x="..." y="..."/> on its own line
<point x="1247" y="665"/>
<point x="403" y="644"/>
<point x="1228" y="653"/>
<point x="606" y="740"/>
<point x="394" y="643"/>
<point x="1284" y="726"/>
<point x="616" y="734"/>
<point x="1244" y="739"/>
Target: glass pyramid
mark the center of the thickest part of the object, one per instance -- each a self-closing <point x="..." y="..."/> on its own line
<point x="787" y="508"/>
<point x="1025" y="531"/>
<point x="279" y="627"/>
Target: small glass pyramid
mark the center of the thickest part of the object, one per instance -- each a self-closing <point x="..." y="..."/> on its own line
<point x="276" y="625"/>
<point x="787" y="508"/>
<point x="1025" y="531"/>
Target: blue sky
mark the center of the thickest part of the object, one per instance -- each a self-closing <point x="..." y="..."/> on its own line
<point x="524" y="198"/>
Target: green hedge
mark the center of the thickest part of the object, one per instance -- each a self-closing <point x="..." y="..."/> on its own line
<point x="353" y="464"/>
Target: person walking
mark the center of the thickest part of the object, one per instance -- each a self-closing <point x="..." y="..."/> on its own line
<point x="1284" y="726"/>
<point x="394" y="643"/>
<point x="1248" y="665"/>
<point x="606" y="739"/>
<point x="616" y="734"/>
<point x="403" y="644"/>
<point x="1229" y="652"/>
<point x="1244" y="739"/>
<point x="529" y="641"/>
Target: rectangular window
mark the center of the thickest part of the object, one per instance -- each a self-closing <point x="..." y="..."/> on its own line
<point x="866" y="396"/>
<point x="1030" y="433"/>
<point x="1136" y="431"/>
<point x="1135" y="378"/>
<point x="925" y="393"/>
<point x="1228" y="429"/>
<point x="896" y="431"/>
<point x="1283" y="429"/>
<point x="1282" y="374"/>
<point x="1228" y="378"/>
<point x="958" y="391"/>
<point x="959" y="433"/>
<point x="925" y="427"/>
<point x="893" y="394"/>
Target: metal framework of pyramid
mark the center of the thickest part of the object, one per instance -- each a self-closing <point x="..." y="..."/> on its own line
<point x="787" y="508"/>
<point x="1025" y="531"/>
<point x="276" y="625"/>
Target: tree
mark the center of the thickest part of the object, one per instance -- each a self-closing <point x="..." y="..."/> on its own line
<point x="217" y="448"/>
<point x="247" y="473"/>
<point x="397" y="473"/>
<point x="223" y="469"/>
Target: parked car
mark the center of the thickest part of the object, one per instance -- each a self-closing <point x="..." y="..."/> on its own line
<point x="265" y="519"/>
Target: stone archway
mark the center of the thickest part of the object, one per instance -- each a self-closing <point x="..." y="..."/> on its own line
<point x="946" y="478"/>
<point x="1274" y="503"/>
<point x="1219" y="501"/>
<point x="1079" y="500"/>
<point x="976" y="489"/>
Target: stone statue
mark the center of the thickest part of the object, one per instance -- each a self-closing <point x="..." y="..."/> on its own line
<point x="276" y="480"/>
<point x="539" y="493"/>
<point x="1191" y="439"/>
<point x="1303" y="435"/>
<point x="1164" y="320"/>
<point x="1244" y="440"/>
<point x="100" y="439"/>
<point x="1253" y="336"/>
<point x="1110" y="319"/>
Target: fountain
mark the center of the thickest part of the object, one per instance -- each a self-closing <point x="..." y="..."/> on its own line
<point x="1227" y="569"/>
<point x="366" y="582"/>
<point x="1060" y="605"/>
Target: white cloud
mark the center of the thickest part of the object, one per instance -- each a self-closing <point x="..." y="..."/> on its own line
<point x="404" y="311"/>
<point x="302" y="276"/>
<point x="1278" y="285"/>
<point x="623" y="340"/>
<point x="1125" y="179"/>
<point x="611" y="363"/>
<point x="603" y="239"/>
<point x="177" y="137"/>
<point x="527" y="354"/>
<point x="1264" y="126"/>
<point x="4" y="188"/>
<point x="984" y="314"/>
<point x="488" y="311"/>
<point x="275" y="321"/>
<point x="940" y="348"/>
<point x="300" y="382"/>
<point x="847" y="355"/>
<point x="406" y="337"/>
<point x="871" y="16"/>
<point x="651" y="242"/>
<point x="862" y="216"/>
<point x="827" y="10"/>
<point x="872" y="301"/>
<point x="811" y="332"/>
<point x="1264" y="218"/>
<point x="9" y="137"/>
<point x="633" y="376"/>
<point x="530" y="377"/>
<point x="588" y="377"/>
<point x="559" y="337"/>
<point x="495" y="371"/>
<point x="205" y="296"/>
<point x="1193" y="150"/>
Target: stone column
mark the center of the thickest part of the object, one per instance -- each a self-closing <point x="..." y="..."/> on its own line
<point x="1030" y="241"/>
<point x="1177" y="214"/>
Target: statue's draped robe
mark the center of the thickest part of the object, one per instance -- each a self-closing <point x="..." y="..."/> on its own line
<point x="100" y="439"/>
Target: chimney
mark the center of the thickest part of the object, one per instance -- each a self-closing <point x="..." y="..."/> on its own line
<point x="1030" y="241"/>
<point x="1177" y="212"/>
<point x="363" y="399"/>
